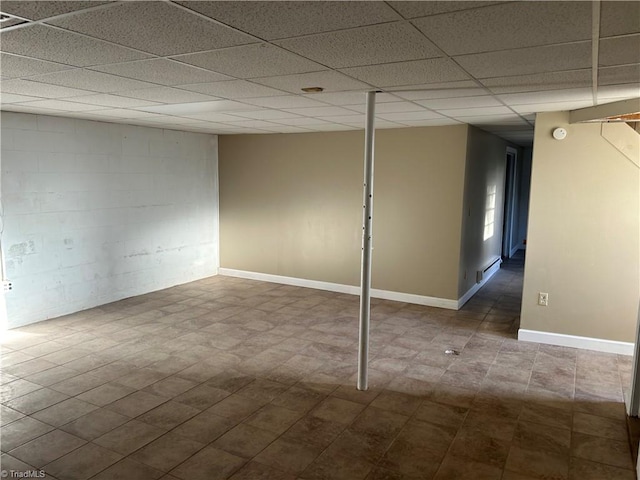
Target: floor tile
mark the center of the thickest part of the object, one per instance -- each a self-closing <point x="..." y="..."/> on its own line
<point x="82" y="463"/>
<point x="208" y="464"/>
<point x="273" y="418"/>
<point x="168" y="415"/>
<point x="21" y="431"/>
<point x="105" y="394"/>
<point x="336" y="467"/>
<point x="136" y="404"/>
<point x="95" y="424"/>
<point x="205" y="427"/>
<point x="129" y="437"/>
<point x="47" y="448"/>
<point x="601" y="450"/>
<point x="538" y="464"/>
<point x="337" y="410"/>
<point x="245" y="440"/>
<point x="64" y="412"/>
<point x="580" y="469"/>
<point x="288" y="456"/>
<point x="167" y="452"/>
<point x="258" y="471"/>
<point x="129" y="470"/>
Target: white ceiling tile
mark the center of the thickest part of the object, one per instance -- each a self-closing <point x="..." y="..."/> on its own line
<point x="24" y="108"/>
<point x="430" y="122"/>
<point x="423" y="9"/>
<point x="233" y="89"/>
<point x="510" y="128"/>
<point x="320" y="111"/>
<point x="162" y="71"/>
<point x="13" y="66"/>
<point x="329" y="80"/>
<point x="303" y="121"/>
<point x="288" y="129"/>
<point x="156" y="27"/>
<point x="446" y="92"/>
<point x="461" y="102"/>
<point x="390" y="107"/>
<point x="273" y="20"/>
<point x="519" y="24"/>
<point x="113" y="101"/>
<point x="12" y="98"/>
<point x="285" y="101"/>
<point x="350" y="98"/>
<point x="492" y="119"/>
<point x="89" y="80"/>
<point x="548" y="96"/>
<point x="372" y="45"/>
<point x="35" y="89"/>
<point x="349" y="119"/>
<point x="629" y="90"/>
<point x="123" y="113"/>
<point x="251" y="124"/>
<point x="620" y="74"/>
<point x="526" y="61"/>
<point x="539" y="81"/>
<point x="404" y="116"/>
<point x="408" y="73"/>
<point x="552" y="106"/>
<point x="619" y="51"/>
<point x="406" y="90"/>
<point x="619" y="18"/>
<point x="332" y="127"/>
<point x="475" y="112"/>
<point x="214" y="117"/>
<point x="250" y="61"/>
<point x="46" y="43"/>
<point x="198" y="107"/>
<point x="166" y="95"/>
<point x="265" y="114"/>
<point x="37" y="10"/>
<point x="63" y="105"/>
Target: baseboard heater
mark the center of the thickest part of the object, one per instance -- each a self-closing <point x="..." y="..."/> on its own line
<point x="480" y="273"/>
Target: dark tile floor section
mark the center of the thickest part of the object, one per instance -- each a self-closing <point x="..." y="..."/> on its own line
<point x="233" y="379"/>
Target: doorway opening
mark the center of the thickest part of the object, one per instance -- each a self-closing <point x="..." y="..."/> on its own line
<point x="516" y="202"/>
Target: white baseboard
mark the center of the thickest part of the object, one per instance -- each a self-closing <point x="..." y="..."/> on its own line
<point x="473" y="290"/>
<point x="341" y="288"/>
<point x="586" y="343"/>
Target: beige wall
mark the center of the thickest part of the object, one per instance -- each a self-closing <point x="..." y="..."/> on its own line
<point x="291" y="205"/>
<point x="582" y="245"/>
<point x="485" y="170"/>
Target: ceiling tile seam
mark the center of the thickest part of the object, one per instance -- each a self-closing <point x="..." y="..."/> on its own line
<point x="448" y="12"/>
<point x="340" y="30"/>
<point x="113" y="44"/>
<point x="595" y="48"/>
<point x="481" y="79"/>
<point x="474" y="79"/>
<point x="60" y="16"/>
<point x="516" y="49"/>
<point x="262" y="40"/>
<point x="213" y="20"/>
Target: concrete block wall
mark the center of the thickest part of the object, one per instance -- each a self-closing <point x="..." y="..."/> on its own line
<point x="95" y="212"/>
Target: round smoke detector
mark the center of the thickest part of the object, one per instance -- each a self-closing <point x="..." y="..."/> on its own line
<point x="559" y="133"/>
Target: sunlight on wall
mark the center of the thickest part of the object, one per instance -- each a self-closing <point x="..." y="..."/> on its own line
<point x="490" y="212"/>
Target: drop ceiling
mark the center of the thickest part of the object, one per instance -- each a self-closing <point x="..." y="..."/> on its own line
<point x="229" y="67"/>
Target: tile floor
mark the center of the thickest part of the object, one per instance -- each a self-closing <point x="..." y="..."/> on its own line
<point x="228" y="378"/>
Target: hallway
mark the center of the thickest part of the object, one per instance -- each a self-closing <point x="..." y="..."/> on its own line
<point x="229" y="378"/>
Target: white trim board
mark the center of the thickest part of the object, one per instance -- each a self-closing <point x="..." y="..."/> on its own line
<point x="586" y="343"/>
<point x="340" y="288"/>
<point x="473" y="290"/>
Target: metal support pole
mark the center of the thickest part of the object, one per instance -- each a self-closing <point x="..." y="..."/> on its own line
<point x="365" y="283"/>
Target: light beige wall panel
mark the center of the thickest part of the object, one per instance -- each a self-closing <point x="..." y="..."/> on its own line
<point x="417" y="204"/>
<point x="582" y="246"/>
<point x="483" y="205"/>
<point x="291" y="205"/>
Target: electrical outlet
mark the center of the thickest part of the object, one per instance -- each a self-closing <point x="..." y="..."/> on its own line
<point x="7" y="286"/>
<point x="543" y="299"/>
